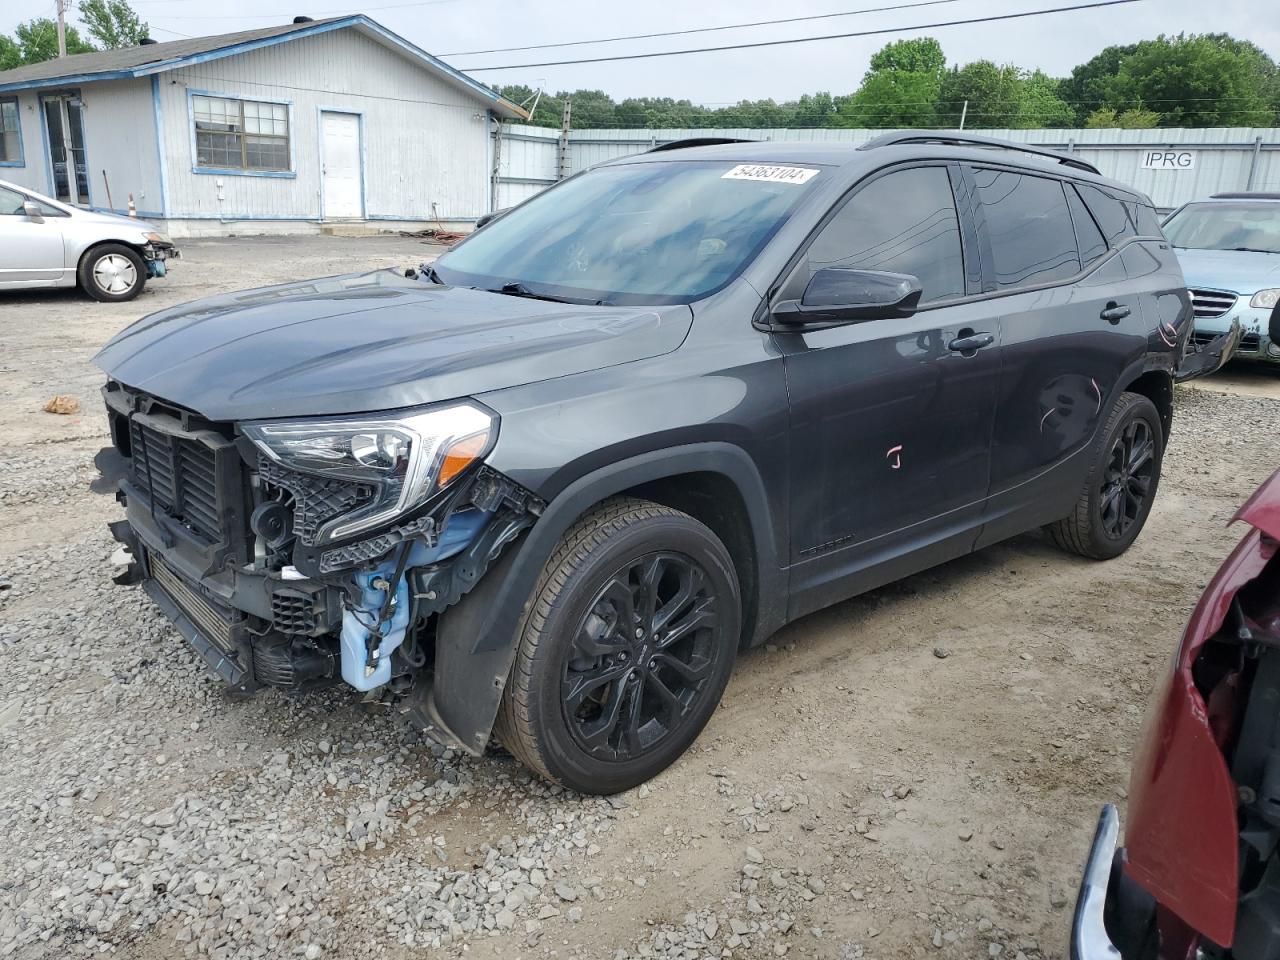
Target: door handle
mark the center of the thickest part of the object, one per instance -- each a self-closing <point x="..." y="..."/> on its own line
<point x="1114" y="312"/>
<point x="971" y="342"/>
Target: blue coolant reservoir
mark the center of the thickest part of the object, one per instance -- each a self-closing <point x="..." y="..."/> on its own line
<point x="358" y="624"/>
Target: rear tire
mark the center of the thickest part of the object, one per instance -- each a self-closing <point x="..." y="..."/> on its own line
<point x="1121" y="485"/>
<point x="112" y="273"/>
<point x="626" y="650"/>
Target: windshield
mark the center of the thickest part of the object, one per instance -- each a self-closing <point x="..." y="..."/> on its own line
<point x="655" y="232"/>
<point x="1248" y="225"/>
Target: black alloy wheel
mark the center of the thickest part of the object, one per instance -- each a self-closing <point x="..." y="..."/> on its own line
<point x="1126" y="482"/>
<point x="641" y="656"/>
<point x="627" y="646"/>
<point x="1121" y="484"/>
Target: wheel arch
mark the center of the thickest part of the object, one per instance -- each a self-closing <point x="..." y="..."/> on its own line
<point x="476" y="639"/>
<point x="1156" y="386"/>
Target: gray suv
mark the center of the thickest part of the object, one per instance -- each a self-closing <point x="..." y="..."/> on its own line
<point x="549" y="487"/>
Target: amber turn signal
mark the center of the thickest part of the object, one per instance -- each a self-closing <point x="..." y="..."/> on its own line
<point x="460" y="454"/>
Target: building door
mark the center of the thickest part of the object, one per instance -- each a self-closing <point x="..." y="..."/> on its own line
<point x="340" y="166"/>
<point x="64" y="129"/>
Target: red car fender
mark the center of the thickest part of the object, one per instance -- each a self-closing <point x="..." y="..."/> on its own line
<point x="1181" y="835"/>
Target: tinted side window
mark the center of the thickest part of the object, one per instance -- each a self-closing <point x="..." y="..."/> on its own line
<point x="1110" y="213"/>
<point x="1029" y="227"/>
<point x="1145" y="219"/>
<point x="1089" y="238"/>
<point x="903" y="222"/>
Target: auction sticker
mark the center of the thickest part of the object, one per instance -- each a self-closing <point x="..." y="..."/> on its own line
<point x="770" y="173"/>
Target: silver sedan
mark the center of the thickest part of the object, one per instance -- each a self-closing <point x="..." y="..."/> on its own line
<point x="44" y="243"/>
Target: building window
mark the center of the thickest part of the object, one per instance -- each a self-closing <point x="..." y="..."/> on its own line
<point x="241" y="134"/>
<point x="10" y="135"/>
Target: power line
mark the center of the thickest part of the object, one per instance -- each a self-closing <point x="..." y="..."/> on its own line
<point x="681" y="33"/>
<point x="830" y="36"/>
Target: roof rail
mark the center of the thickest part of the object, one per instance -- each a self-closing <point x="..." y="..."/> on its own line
<point x="959" y="139"/>
<point x="697" y="142"/>
<point x="1247" y="195"/>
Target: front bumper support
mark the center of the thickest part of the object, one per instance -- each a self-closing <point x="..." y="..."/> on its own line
<point x="1200" y="361"/>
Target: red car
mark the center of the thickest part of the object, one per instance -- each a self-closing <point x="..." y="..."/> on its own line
<point x="1199" y="875"/>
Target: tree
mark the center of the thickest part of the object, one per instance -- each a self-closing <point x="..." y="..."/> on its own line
<point x="1086" y="88"/>
<point x="1211" y="80"/>
<point x="1132" y="119"/>
<point x="993" y="94"/>
<point x="921" y="55"/>
<point x="10" y="53"/>
<point x="1040" y="104"/>
<point x="900" y="89"/>
<point x="113" y="23"/>
<point x="37" y="41"/>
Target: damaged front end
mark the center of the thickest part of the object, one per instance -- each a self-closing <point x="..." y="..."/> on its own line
<point x="297" y="554"/>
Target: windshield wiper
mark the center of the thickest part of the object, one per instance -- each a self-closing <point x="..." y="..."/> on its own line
<point x="515" y="288"/>
<point x="1253" y="250"/>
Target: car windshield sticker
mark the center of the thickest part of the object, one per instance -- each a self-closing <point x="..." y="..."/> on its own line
<point x="770" y="174"/>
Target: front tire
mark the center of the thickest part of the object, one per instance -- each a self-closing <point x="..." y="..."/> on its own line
<point x="112" y="273"/>
<point x="1121" y="485"/>
<point x="626" y="650"/>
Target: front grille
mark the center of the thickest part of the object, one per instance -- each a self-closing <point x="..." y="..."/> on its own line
<point x="214" y="625"/>
<point x="1250" y="343"/>
<point x="180" y="474"/>
<point x="1212" y="303"/>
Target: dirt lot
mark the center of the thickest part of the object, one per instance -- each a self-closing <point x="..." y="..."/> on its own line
<point x="914" y="772"/>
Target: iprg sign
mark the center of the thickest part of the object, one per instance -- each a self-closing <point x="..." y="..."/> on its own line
<point x="1168" y="160"/>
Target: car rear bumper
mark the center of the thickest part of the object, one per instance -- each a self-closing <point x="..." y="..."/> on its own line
<point x="1089" y="937"/>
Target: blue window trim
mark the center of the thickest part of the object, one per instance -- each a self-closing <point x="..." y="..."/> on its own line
<point x="359" y="115"/>
<point x="22" y="151"/>
<point x="290" y="174"/>
<point x="162" y="163"/>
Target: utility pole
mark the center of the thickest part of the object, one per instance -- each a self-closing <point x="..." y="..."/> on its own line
<point x="62" y="27"/>
<point x="562" y="161"/>
<point x="964" y="112"/>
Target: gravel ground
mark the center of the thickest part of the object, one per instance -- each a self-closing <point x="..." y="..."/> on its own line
<point x="912" y="773"/>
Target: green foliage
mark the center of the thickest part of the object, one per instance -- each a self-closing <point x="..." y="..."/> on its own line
<point x="113" y="23"/>
<point x="1132" y="119"/>
<point x="921" y="55"/>
<point x="900" y="89"/>
<point x="1211" y="80"/>
<point x="37" y="41"/>
<point x="1194" y="81"/>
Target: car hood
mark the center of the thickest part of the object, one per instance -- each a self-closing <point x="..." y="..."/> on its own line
<point x="114" y="221"/>
<point x="1241" y="271"/>
<point x="373" y="341"/>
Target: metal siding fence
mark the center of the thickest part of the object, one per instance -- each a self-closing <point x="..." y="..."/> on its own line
<point x="1224" y="155"/>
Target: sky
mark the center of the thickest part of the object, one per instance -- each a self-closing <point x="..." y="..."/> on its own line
<point x="450" y="28"/>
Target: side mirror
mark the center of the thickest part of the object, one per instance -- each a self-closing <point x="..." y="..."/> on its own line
<point x="32" y="210"/>
<point x="838" y="294"/>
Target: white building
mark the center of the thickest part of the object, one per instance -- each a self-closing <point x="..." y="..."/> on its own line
<point x="280" y="129"/>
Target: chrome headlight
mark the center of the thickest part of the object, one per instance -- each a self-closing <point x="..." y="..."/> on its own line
<point x="405" y="457"/>
<point x="1265" y="299"/>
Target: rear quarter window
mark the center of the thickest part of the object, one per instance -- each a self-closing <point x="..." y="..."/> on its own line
<point x="1090" y="239"/>
<point x="1111" y="214"/>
